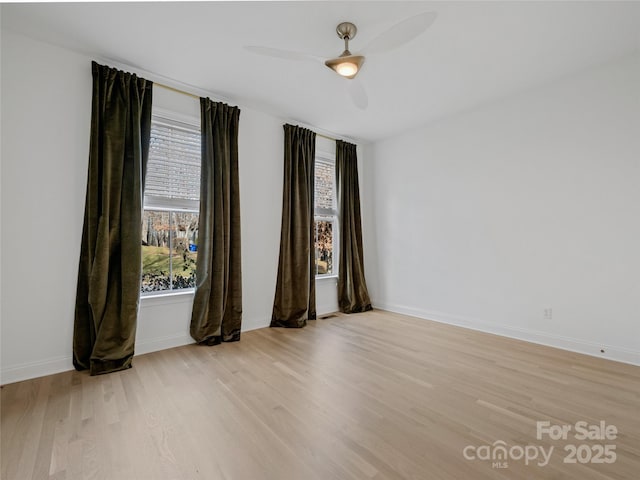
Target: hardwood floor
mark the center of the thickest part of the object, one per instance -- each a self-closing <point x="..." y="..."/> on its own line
<point x="368" y="396"/>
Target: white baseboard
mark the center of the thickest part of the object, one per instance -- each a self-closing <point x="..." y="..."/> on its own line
<point x="254" y="324"/>
<point x="27" y="371"/>
<point x="611" y="352"/>
<point x="262" y="323"/>
<point x="162" y="343"/>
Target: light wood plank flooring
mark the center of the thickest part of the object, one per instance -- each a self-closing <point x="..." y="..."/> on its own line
<point x="368" y="396"/>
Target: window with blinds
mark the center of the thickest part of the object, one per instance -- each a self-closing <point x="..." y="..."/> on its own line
<point x="173" y="169"/>
<point x="326" y="215"/>
<point x="171" y="203"/>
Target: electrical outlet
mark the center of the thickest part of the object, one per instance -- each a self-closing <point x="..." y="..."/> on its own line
<point x="548" y="313"/>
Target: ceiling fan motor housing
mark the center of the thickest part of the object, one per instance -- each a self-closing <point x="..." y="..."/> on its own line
<point x="346" y="65"/>
<point x="346" y="30"/>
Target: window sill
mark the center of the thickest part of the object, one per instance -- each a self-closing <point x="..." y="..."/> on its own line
<point x="326" y="277"/>
<point x="185" y="295"/>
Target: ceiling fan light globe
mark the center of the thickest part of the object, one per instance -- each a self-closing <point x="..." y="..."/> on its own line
<point x="347" y="69"/>
<point x="346" y="66"/>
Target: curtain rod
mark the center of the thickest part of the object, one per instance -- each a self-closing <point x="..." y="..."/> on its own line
<point x="176" y="90"/>
<point x="173" y="89"/>
<point x="325" y="136"/>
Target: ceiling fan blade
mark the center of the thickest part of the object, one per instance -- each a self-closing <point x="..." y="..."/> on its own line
<point x="283" y="54"/>
<point x="400" y="33"/>
<point x="358" y="94"/>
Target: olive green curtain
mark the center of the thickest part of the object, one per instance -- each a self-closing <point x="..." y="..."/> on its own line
<point x="217" y="305"/>
<point x="353" y="296"/>
<point x="108" y="288"/>
<point x="295" y="298"/>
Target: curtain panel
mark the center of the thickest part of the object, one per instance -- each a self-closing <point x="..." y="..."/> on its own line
<point x="295" y="297"/>
<point x="353" y="295"/>
<point x="217" y="306"/>
<point x="109" y="270"/>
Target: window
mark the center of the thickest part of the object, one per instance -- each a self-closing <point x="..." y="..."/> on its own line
<point x="326" y="216"/>
<point x="171" y="203"/>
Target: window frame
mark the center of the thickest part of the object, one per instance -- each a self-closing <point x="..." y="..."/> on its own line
<point x="328" y="214"/>
<point x="171" y="205"/>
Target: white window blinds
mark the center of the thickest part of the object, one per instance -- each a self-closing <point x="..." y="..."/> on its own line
<point x="325" y="199"/>
<point x="173" y="170"/>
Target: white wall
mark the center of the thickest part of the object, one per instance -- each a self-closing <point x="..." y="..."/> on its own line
<point x="489" y="217"/>
<point x="46" y="106"/>
<point x="46" y="96"/>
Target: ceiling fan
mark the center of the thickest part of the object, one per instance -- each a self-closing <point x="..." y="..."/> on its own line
<point x="349" y="65"/>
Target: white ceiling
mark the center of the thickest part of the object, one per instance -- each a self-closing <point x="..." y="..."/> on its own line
<point x="474" y="52"/>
